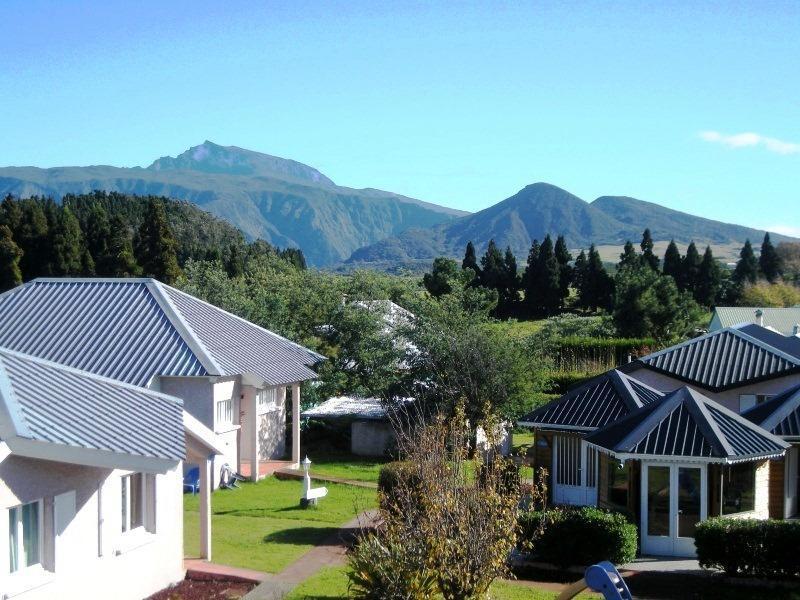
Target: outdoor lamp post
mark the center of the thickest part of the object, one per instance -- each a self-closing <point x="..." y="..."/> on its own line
<point x="306" y="465"/>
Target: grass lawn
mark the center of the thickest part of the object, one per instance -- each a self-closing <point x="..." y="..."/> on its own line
<point x="347" y="466"/>
<point x="261" y="526"/>
<point x="522" y="441"/>
<point x="331" y="582"/>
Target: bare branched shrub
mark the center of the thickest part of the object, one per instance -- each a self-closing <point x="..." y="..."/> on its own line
<point x="452" y="508"/>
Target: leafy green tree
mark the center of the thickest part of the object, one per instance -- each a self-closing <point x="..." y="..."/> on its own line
<point x="673" y="263"/>
<point x="443" y="276"/>
<point x="471" y="262"/>
<point x="746" y="271"/>
<point x="690" y="271"/>
<point x="155" y="246"/>
<point x="769" y="262"/>
<point x="709" y="280"/>
<point x="68" y="245"/>
<point x="649" y="305"/>
<point x="648" y="257"/>
<point x="563" y="257"/>
<point x="629" y="257"/>
<point x="10" y="254"/>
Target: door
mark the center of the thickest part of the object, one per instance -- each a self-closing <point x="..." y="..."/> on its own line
<point x="673" y="502"/>
<point x="575" y="465"/>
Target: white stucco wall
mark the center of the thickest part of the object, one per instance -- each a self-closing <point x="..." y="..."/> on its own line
<point x="196" y="393"/>
<point x="728" y="398"/>
<point x="91" y="557"/>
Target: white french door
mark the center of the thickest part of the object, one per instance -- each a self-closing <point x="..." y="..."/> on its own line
<point x="674" y="500"/>
<point x="575" y="465"/>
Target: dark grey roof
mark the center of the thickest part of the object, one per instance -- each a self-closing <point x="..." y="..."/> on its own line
<point x="686" y="424"/>
<point x="786" y="343"/>
<point x="595" y="403"/>
<point x="49" y="403"/>
<point x="779" y="415"/>
<point x="135" y="329"/>
<point x="720" y="360"/>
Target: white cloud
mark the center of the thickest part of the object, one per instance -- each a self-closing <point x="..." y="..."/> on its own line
<point x="743" y="140"/>
<point x="789" y="230"/>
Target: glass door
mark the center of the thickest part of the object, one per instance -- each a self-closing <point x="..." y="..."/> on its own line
<point x="673" y="502"/>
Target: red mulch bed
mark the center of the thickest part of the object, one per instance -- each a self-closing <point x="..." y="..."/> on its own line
<point x="204" y="590"/>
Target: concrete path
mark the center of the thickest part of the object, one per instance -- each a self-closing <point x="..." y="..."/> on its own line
<point x="665" y="564"/>
<point x="331" y="552"/>
<point x="298" y="474"/>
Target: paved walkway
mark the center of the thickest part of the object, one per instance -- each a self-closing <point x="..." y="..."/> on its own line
<point x="298" y="474"/>
<point x="330" y="553"/>
<point x="665" y="564"/>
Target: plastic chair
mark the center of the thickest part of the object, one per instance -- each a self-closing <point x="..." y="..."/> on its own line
<point x="192" y="480"/>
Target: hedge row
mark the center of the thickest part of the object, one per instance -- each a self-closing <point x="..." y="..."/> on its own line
<point x="569" y="537"/>
<point x="749" y="546"/>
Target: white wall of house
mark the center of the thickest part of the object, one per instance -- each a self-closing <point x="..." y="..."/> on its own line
<point x="85" y="553"/>
<point x="270" y="420"/>
<point x="728" y="398"/>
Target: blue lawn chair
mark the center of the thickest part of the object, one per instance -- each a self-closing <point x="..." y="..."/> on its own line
<point x="192" y="480"/>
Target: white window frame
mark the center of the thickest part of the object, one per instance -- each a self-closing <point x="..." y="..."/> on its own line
<point x="266" y="399"/>
<point x="20" y="537"/>
<point x="224" y="412"/>
<point x="127" y="525"/>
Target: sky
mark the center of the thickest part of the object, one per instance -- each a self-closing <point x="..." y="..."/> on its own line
<point x="695" y="106"/>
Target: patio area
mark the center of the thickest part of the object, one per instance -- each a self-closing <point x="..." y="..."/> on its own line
<point x="265" y="467"/>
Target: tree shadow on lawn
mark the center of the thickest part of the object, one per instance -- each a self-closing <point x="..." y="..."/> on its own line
<point x="314" y="536"/>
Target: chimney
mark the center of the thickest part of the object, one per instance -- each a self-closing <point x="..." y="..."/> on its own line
<point x="796" y="330"/>
<point x="759" y="317"/>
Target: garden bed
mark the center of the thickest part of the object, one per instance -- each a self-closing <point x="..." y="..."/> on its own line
<point x="204" y="590"/>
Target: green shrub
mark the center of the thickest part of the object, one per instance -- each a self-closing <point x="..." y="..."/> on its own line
<point x="396" y="478"/>
<point x="765" y="548"/>
<point x="583" y="536"/>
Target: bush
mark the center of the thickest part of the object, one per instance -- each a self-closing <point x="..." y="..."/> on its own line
<point x="396" y="479"/>
<point x="569" y="537"/>
<point x="749" y="546"/>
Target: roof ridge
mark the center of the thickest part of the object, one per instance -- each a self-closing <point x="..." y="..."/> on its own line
<point x="242" y="319"/>
<point x="82" y="373"/>
<point x="184" y="329"/>
<point x="707" y="421"/>
<point x="623" y="387"/>
<point x="667" y="405"/>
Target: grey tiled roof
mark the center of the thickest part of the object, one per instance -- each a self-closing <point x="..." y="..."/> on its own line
<point x="720" y="360"/>
<point x="779" y="415"/>
<point x="595" y="403"/>
<point x="782" y="319"/>
<point x="135" y="329"/>
<point x="59" y="405"/>
<point x="687" y="424"/>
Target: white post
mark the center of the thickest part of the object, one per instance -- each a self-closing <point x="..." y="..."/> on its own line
<point x="252" y="402"/>
<point x="296" y="424"/>
<point x="205" y="507"/>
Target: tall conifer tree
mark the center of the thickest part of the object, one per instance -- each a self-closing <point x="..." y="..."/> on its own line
<point x="10" y="253"/>
<point x="746" y="271"/>
<point x="770" y="263"/>
<point x="563" y="257"/>
<point x="155" y="248"/>
<point x="710" y="280"/>
<point x="648" y="257"/>
<point x="673" y="262"/>
<point x="471" y="262"/>
<point x="68" y="245"/>
<point x="629" y="257"/>
<point x="690" y="270"/>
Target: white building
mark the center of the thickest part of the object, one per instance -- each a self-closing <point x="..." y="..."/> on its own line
<point x="91" y="483"/>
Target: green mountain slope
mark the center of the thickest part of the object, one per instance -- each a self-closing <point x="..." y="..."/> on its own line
<point x="542" y="208"/>
<point x="282" y="201"/>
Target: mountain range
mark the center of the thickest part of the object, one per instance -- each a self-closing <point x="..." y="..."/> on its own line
<point x="290" y="204"/>
<point x="285" y="202"/>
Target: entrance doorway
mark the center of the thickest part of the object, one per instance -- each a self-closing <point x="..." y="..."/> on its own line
<point x="792" y="482"/>
<point x="575" y="466"/>
<point x="674" y="500"/>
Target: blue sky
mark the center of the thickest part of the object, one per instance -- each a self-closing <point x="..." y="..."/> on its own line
<point x="694" y="107"/>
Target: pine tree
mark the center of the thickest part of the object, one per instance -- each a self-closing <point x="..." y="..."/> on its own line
<point x="10" y="253"/>
<point x="155" y="247"/>
<point x="492" y="267"/>
<point x="746" y="271"/>
<point x="122" y="262"/>
<point x="33" y="235"/>
<point x="597" y="286"/>
<point x="563" y="257"/>
<point x="510" y="296"/>
<point x="709" y="281"/>
<point x="549" y="279"/>
<point x="98" y="234"/>
<point x="648" y="257"/>
<point x="673" y="262"/>
<point x="579" y="273"/>
<point x="68" y="245"/>
<point x="690" y="270"/>
<point x="770" y="263"/>
<point x="471" y="262"/>
<point x="530" y="279"/>
<point x="629" y="257"/>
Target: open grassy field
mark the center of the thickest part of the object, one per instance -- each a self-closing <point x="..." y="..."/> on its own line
<point x="261" y="526"/>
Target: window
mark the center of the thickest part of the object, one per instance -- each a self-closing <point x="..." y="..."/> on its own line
<point x="738" y="488"/>
<point x="225" y="412"/>
<point x="266" y="398"/>
<point x="24" y="535"/>
<point x="750" y="400"/>
<point x="133" y="500"/>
